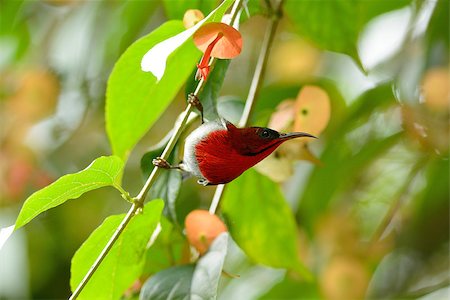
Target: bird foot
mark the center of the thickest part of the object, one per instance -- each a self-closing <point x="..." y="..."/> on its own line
<point x="195" y="102"/>
<point x="162" y="163"/>
<point x="203" y="182"/>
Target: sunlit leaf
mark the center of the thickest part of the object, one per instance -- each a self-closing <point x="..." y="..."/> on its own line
<point x="436" y="88"/>
<point x="104" y="171"/>
<point x="277" y="168"/>
<point x="124" y="262"/>
<point x="134" y="100"/>
<point x="273" y="95"/>
<point x="261" y="222"/>
<point x="208" y="270"/>
<point x="312" y="110"/>
<point x="192" y="17"/>
<point x="282" y="119"/>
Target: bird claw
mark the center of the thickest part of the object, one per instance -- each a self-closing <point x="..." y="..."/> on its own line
<point x="203" y="182"/>
<point x="195" y="102"/>
<point x="161" y="163"/>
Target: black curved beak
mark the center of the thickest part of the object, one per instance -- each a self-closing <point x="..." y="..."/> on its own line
<point x="293" y="135"/>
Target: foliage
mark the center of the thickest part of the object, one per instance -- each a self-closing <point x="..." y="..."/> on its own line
<point x="104" y="171"/>
<point x="253" y="205"/>
<point x="125" y="261"/>
<point x="367" y="202"/>
<point x="136" y="99"/>
<point x="350" y="15"/>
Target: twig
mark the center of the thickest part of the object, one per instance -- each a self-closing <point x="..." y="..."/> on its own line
<point x="105" y="251"/>
<point x="140" y="198"/>
<point x="255" y="86"/>
<point x="395" y="205"/>
<point x="426" y="290"/>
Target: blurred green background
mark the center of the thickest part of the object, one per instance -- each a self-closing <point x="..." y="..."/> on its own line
<point x="373" y="214"/>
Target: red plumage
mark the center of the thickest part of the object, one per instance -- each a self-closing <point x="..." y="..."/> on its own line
<point x="218" y="152"/>
<point x="220" y="161"/>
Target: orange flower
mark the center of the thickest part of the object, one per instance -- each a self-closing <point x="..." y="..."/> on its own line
<point x="216" y="40"/>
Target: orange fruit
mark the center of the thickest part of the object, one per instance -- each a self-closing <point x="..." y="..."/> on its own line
<point x="202" y="228"/>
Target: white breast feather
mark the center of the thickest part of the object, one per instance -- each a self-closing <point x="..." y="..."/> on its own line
<point x="189" y="160"/>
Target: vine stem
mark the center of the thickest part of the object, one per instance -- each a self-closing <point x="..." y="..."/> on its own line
<point x="138" y="201"/>
<point x="258" y="78"/>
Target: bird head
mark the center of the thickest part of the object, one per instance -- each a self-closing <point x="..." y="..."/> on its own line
<point x="259" y="140"/>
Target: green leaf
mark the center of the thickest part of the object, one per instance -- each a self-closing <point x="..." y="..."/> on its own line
<point x="292" y="285"/>
<point x="230" y="108"/>
<point x="14" y="29"/>
<point x="189" y="282"/>
<point x="124" y="262"/>
<point x="166" y="251"/>
<point x="173" y="283"/>
<point x="438" y="35"/>
<point x="335" y="25"/>
<point x="210" y="92"/>
<point x="134" y="99"/>
<point x="208" y="270"/>
<point x="131" y="17"/>
<point x="167" y="187"/>
<point x="176" y="9"/>
<point x="429" y="211"/>
<point x="104" y="171"/>
<point x="340" y="160"/>
<point x="253" y="206"/>
<point x="155" y="59"/>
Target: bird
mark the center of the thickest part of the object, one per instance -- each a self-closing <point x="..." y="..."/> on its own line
<point x="218" y="152"/>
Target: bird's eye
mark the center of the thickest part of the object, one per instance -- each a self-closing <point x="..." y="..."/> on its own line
<point x="267" y="133"/>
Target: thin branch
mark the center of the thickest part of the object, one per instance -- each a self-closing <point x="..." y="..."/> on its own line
<point x="105" y="251"/>
<point x="258" y="79"/>
<point x="426" y="290"/>
<point x="258" y="76"/>
<point x="396" y="203"/>
<point x="216" y="198"/>
<point x="140" y="198"/>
